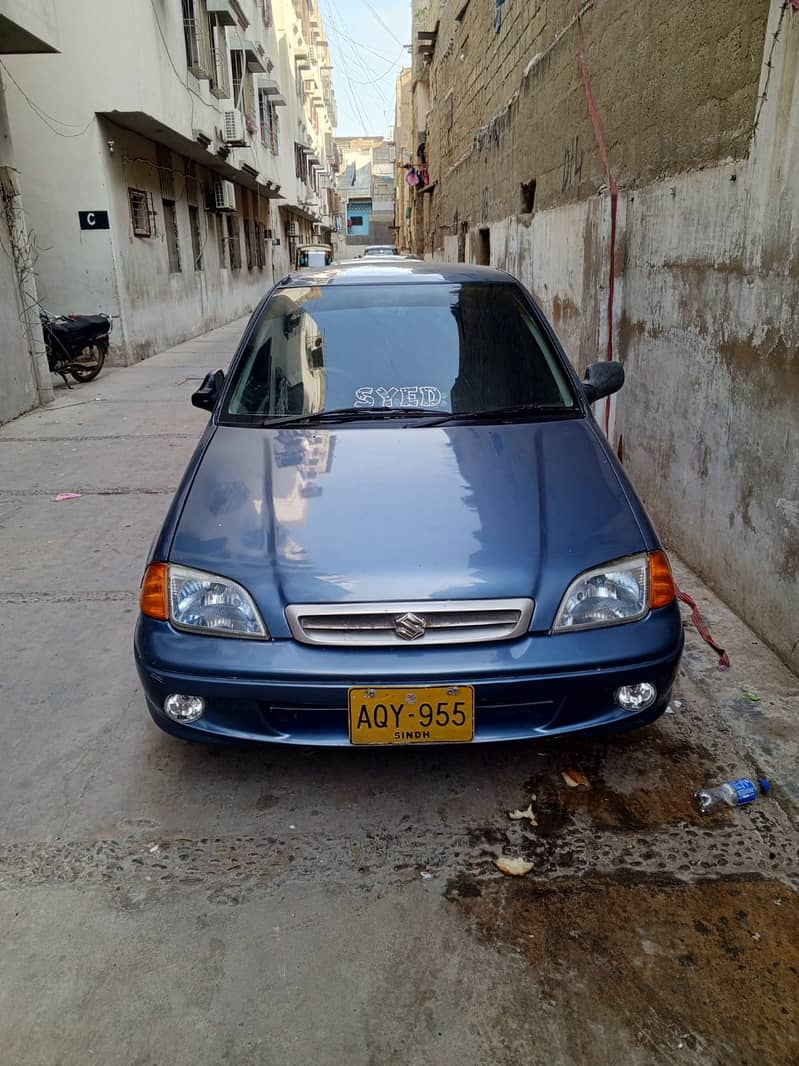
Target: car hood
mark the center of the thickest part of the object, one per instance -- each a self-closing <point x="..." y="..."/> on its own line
<point x="377" y="513"/>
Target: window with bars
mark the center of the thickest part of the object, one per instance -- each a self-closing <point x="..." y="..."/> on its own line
<point x="219" y="84"/>
<point x="237" y="68"/>
<point x="249" y="243"/>
<point x="243" y="92"/>
<point x="196" y="38"/>
<point x="233" y="241"/>
<point x="221" y="242"/>
<point x="166" y="174"/>
<point x="245" y="207"/>
<point x="141" y="217"/>
<point x="190" y="178"/>
<point x="196" y="240"/>
<point x="171" y="235"/>
<point x="268" y="123"/>
<point x="300" y="162"/>
<point x="260" y="245"/>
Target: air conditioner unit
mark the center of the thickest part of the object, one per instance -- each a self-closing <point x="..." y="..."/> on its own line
<point x="224" y="195"/>
<point x="293" y="229"/>
<point x="234" y="127"/>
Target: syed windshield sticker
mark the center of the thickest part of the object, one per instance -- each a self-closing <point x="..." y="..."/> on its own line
<point x="399" y="396"/>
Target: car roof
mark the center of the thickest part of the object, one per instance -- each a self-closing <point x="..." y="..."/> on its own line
<point x="397" y="271"/>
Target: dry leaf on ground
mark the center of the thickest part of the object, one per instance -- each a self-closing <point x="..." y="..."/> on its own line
<point x="575" y="779"/>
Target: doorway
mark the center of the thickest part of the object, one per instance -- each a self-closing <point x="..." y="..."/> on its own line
<point x="483" y="247"/>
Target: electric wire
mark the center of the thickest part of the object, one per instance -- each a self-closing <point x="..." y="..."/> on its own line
<point x="384" y="24"/>
<point x="43" y="115"/>
<point x="350" y="87"/>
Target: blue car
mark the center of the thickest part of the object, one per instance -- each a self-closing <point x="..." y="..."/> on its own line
<point x="402" y="525"/>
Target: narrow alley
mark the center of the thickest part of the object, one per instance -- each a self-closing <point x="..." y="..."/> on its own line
<point x="399" y="533"/>
<point x="198" y="905"/>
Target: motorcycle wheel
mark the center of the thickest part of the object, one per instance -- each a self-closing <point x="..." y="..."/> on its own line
<point x="89" y="362"/>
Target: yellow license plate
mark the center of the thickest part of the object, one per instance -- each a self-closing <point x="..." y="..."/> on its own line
<point x="417" y="715"/>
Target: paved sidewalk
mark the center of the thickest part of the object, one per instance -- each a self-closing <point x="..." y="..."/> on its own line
<point x="167" y="903"/>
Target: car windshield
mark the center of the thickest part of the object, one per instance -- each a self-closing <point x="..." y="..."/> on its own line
<point x="387" y="250"/>
<point x="377" y="349"/>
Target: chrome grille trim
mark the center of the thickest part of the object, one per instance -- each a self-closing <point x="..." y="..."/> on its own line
<point x="373" y="624"/>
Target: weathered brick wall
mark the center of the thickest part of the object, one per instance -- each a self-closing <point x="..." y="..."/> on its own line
<point x="676" y="86"/>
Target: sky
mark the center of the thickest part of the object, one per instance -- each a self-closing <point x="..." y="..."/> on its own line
<point x="367" y="39"/>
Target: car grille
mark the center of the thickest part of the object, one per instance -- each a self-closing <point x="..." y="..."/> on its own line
<point x="409" y="624"/>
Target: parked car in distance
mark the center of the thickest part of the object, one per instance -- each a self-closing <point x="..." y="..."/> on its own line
<point x="381" y="249"/>
<point x="403" y="525"/>
<point x="313" y="256"/>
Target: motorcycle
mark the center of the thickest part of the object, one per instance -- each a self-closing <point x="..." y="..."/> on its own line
<point x="76" y="344"/>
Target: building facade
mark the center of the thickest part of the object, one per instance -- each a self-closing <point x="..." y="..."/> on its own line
<point x="27" y="28"/>
<point x="405" y="147"/>
<point x="365" y="188"/>
<point x="697" y="109"/>
<point x="187" y="151"/>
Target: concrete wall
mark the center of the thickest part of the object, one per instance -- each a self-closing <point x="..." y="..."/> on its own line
<point x="406" y="149"/>
<point x="17" y="385"/>
<point x="24" y="376"/>
<point x="706" y="317"/>
<point x="675" y="86"/>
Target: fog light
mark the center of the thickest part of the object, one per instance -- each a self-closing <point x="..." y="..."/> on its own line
<point x="636" y="697"/>
<point x="184" y="708"/>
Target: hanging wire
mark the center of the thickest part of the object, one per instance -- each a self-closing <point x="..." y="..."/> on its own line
<point x="43" y="115"/>
<point x="384" y="24"/>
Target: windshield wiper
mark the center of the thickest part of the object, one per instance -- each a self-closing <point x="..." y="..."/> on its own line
<point x="350" y="414"/>
<point x="511" y="413"/>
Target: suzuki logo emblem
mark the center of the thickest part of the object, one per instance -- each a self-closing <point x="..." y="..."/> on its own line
<point x="409" y="626"/>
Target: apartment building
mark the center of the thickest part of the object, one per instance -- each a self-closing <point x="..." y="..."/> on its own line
<point x="365" y="188"/>
<point x="405" y="149"/>
<point x="171" y="157"/>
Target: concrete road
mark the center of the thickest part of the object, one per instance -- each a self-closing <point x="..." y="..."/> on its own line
<point x="163" y="904"/>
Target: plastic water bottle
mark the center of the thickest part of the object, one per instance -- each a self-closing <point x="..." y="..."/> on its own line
<point x="735" y="793"/>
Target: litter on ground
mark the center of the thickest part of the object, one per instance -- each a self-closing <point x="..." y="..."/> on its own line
<point x="526" y="813"/>
<point x="513" y="867"/>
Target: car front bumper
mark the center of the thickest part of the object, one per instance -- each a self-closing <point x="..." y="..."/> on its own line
<point x="289" y="693"/>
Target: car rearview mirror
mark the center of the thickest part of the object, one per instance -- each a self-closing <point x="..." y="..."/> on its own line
<point x="208" y="393"/>
<point x="602" y="379"/>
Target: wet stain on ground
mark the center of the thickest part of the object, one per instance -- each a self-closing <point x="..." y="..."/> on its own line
<point x="636" y="781"/>
<point x="686" y="972"/>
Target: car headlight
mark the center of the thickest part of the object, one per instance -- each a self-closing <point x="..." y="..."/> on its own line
<point x="618" y="592"/>
<point x="200" y="602"/>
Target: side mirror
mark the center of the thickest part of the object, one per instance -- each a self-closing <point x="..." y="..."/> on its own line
<point x="208" y="393"/>
<point x="602" y="379"/>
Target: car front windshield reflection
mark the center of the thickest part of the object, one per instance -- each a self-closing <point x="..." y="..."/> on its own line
<point x="457" y="348"/>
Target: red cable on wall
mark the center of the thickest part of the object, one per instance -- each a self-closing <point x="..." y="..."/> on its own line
<point x="599" y="135"/>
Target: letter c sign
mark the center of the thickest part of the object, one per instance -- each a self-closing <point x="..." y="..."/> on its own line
<point x="93" y="219"/>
